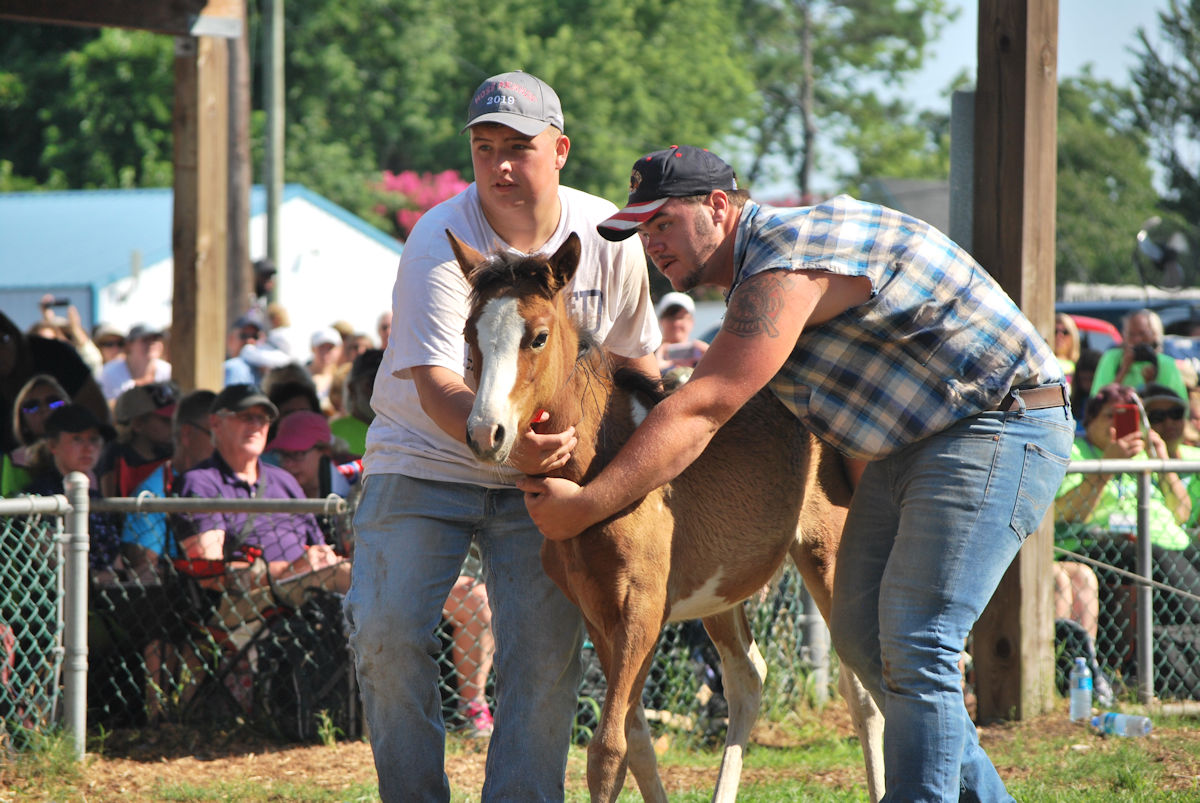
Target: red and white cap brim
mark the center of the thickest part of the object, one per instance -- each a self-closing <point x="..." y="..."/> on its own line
<point x="625" y="222"/>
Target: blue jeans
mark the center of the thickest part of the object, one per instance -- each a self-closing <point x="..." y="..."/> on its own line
<point x="931" y="531"/>
<point x="410" y="540"/>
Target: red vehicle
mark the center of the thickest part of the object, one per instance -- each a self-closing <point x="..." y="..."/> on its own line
<point x="1096" y="333"/>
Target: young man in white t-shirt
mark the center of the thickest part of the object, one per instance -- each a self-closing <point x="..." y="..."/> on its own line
<point x="426" y="499"/>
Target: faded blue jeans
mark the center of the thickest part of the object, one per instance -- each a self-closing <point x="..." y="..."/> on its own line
<point x="931" y="531"/>
<point x="411" y="537"/>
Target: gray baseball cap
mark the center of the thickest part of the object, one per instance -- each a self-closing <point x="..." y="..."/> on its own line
<point x="521" y="101"/>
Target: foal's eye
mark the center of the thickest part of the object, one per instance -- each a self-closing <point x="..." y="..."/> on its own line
<point x="539" y="340"/>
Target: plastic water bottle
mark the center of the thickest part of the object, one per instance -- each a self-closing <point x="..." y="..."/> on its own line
<point x="1081" y="691"/>
<point x="1122" y="724"/>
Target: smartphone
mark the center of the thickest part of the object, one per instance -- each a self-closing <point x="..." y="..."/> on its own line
<point x="1144" y="353"/>
<point x="680" y="351"/>
<point x="1125" y="419"/>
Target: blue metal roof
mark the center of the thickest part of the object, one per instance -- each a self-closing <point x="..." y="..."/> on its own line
<point x="87" y="237"/>
<point x="80" y="237"/>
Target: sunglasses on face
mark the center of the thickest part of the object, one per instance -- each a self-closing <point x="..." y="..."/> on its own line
<point x="252" y="419"/>
<point x="111" y="344"/>
<point x="49" y="403"/>
<point x="1159" y="416"/>
<point x="1061" y="332"/>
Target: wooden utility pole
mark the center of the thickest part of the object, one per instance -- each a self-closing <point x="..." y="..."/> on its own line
<point x="199" y="227"/>
<point x="1015" y="181"/>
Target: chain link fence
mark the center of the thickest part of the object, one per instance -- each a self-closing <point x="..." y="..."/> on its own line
<point x="176" y="640"/>
<point x="1127" y="589"/>
<point x="31" y="625"/>
<point x="180" y="642"/>
<point x="221" y="642"/>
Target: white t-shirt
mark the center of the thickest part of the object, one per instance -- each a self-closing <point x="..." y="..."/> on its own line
<point x="115" y="378"/>
<point x="610" y="296"/>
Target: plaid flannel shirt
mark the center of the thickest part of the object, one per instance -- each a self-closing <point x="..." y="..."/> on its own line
<point x="937" y="341"/>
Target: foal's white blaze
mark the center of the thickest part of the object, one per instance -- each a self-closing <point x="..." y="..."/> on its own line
<point x="704" y="601"/>
<point x="499" y="330"/>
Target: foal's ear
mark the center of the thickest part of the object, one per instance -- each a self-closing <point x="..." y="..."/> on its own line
<point x="468" y="258"/>
<point x="566" y="259"/>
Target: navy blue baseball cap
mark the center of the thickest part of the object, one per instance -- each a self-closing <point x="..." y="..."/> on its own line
<point x="677" y="172"/>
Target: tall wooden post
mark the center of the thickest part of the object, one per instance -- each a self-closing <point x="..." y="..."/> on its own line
<point x="1015" y="164"/>
<point x="200" y="216"/>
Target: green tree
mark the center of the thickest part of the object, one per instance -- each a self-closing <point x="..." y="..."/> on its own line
<point x="1167" y="79"/>
<point x="33" y="79"/>
<point x="91" y="111"/>
<point x="895" y="143"/>
<point x="392" y="78"/>
<point x="1105" y="184"/>
<point x="819" y="66"/>
<point x="383" y="85"/>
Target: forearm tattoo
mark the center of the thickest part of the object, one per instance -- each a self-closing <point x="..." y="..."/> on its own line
<point x="756" y="306"/>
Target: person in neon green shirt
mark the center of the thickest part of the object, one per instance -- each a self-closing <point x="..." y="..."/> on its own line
<point x="352" y="427"/>
<point x="1167" y="414"/>
<point x="1134" y="367"/>
<point x="1109" y="501"/>
<point x="1096" y="514"/>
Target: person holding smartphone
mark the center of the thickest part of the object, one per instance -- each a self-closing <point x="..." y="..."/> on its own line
<point x="1139" y="360"/>
<point x="1096" y="516"/>
<point x="676" y="317"/>
<point x="1113" y="430"/>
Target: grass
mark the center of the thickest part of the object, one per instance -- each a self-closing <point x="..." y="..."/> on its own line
<point x="234" y="790"/>
<point x="45" y="769"/>
<point x="813" y="759"/>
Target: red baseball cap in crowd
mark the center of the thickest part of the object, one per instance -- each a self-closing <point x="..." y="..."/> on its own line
<point x="300" y="431"/>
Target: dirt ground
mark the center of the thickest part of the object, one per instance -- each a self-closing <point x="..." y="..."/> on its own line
<point x="135" y="764"/>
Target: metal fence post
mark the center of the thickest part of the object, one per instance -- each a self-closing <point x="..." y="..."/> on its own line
<point x="1145" y="594"/>
<point x="816" y="638"/>
<point x="76" y="604"/>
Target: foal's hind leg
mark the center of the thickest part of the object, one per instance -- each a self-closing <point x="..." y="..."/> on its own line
<point x="743" y="671"/>
<point x="815" y="563"/>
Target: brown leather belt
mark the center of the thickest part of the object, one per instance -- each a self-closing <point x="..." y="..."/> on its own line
<point x="1039" y="398"/>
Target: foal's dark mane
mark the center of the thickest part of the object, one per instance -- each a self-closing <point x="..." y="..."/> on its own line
<point x="523" y="274"/>
<point x="639" y="385"/>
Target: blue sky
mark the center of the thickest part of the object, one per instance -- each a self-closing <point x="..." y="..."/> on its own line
<point x="1099" y="32"/>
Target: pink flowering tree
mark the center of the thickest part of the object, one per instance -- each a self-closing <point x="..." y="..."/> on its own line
<point x="405" y="196"/>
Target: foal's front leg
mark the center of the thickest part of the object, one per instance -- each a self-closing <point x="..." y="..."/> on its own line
<point x="622" y="737"/>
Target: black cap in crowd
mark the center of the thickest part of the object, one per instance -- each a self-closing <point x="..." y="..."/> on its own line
<point x="75" y="418"/>
<point x="235" y="398"/>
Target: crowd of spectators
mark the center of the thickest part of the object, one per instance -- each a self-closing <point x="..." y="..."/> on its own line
<point x="1133" y="401"/>
<point x="289" y="422"/>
